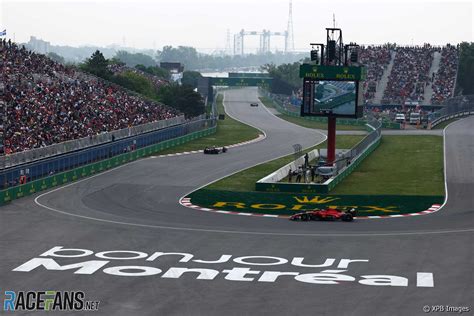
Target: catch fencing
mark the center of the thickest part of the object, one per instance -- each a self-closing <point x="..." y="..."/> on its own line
<point x="37" y="169"/>
<point x="88" y="169"/>
<point x="85" y="142"/>
<point x="455" y="107"/>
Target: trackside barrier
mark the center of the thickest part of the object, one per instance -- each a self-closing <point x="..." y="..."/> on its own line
<point x="353" y="122"/>
<point x="94" y="168"/>
<point x="359" y="152"/>
<point x="460" y="106"/>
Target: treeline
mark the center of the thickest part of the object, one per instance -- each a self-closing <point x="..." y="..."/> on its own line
<point x="181" y="97"/>
<point x="286" y="79"/>
<point x="465" y="80"/>
<point x="193" y="60"/>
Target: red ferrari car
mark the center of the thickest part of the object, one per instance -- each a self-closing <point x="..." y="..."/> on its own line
<point x="327" y="214"/>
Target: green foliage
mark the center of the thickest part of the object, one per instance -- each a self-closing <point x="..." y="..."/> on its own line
<point x="97" y="65"/>
<point x="191" y="78"/>
<point x="285" y="77"/>
<point x="192" y="60"/>
<point x="133" y="59"/>
<point x="154" y="71"/>
<point x="466" y="68"/>
<point x="56" y="57"/>
<point x="135" y="82"/>
<point x="183" y="98"/>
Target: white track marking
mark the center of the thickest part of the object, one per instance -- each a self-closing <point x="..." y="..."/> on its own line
<point x="406" y="233"/>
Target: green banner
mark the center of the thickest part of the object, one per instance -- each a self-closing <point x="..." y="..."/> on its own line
<point x="322" y="72"/>
<point x="291" y="203"/>
<point x="240" y="82"/>
<point x="248" y="75"/>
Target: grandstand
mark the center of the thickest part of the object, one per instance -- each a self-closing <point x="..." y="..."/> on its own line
<point x="49" y="103"/>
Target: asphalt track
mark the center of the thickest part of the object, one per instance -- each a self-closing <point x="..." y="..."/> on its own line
<point x="135" y="207"/>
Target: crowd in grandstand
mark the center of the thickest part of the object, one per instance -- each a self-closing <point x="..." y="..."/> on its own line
<point x="445" y="78"/>
<point x="409" y="75"/>
<point x="50" y="103"/>
<point x="376" y="60"/>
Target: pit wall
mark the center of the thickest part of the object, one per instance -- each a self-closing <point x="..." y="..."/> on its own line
<point x="87" y="170"/>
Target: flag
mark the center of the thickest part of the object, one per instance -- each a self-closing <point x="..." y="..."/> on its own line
<point x="3" y="33"/>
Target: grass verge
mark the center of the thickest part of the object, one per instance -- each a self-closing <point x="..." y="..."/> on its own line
<point x="245" y="180"/>
<point x="229" y="131"/>
<point x="402" y="165"/>
<point x="308" y="123"/>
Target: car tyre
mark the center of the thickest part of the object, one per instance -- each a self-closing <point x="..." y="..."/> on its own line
<point x="347" y="218"/>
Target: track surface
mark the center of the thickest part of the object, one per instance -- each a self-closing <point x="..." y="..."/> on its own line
<point x="134" y="207"/>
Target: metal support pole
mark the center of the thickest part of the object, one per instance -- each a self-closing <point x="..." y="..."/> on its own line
<point x="331" y="154"/>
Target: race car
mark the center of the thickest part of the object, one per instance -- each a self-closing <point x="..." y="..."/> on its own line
<point x="253" y="104"/>
<point x="214" y="150"/>
<point x="327" y="214"/>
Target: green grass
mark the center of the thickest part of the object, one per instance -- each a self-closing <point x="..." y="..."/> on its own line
<point x="229" y="131"/>
<point x="245" y="180"/>
<point x="403" y="165"/>
<point x="445" y="123"/>
<point x="308" y="123"/>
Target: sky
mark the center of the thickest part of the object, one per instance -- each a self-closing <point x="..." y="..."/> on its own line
<point x="204" y="23"/>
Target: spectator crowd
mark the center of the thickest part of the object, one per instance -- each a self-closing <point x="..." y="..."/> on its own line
<point x="445" y="78"/>
<point x="409" y="75"/>
<point x="50" y="103"/>
<point x="376" y="60"/>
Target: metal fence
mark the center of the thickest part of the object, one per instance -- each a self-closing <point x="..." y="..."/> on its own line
<point x="454" y="107"/>
<point x="45" y="167"/>
<point x="77" y="144"/>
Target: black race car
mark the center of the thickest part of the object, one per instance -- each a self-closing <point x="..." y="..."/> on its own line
<point x="253" y="104"/>
<point x="214" y="150"/>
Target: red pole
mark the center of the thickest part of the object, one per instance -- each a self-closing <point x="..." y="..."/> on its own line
<point x="331" y="140"/>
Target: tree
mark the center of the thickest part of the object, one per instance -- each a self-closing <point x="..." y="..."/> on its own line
<point x="155" y="71"/>
<point x="135" y="82"/>
<point x="133" y="59"/>
<point x="57" y="58"/>
<point x="466" y="68"/>
<point x="191" y="78"/>
<point x="285" y="77"/>
<point x="97" y="65"/>
<point x="183" y="98"/>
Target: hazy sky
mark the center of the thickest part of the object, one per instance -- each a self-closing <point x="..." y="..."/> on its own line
<point x="204" y="23"/>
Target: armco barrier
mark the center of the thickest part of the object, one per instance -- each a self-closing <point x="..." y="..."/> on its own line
<point x="93" y="168"/>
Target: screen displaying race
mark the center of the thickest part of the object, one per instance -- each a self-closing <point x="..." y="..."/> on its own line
<point x="330" y="98"/>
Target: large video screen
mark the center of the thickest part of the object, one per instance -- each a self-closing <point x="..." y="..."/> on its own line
<point x="330" y="98"/>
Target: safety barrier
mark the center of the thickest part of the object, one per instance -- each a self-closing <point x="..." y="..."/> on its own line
<point x="358" y="153"/>
<point x="85" y="142"/>
<point x="460" y="106"/>
<point x="91" y="169"/>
